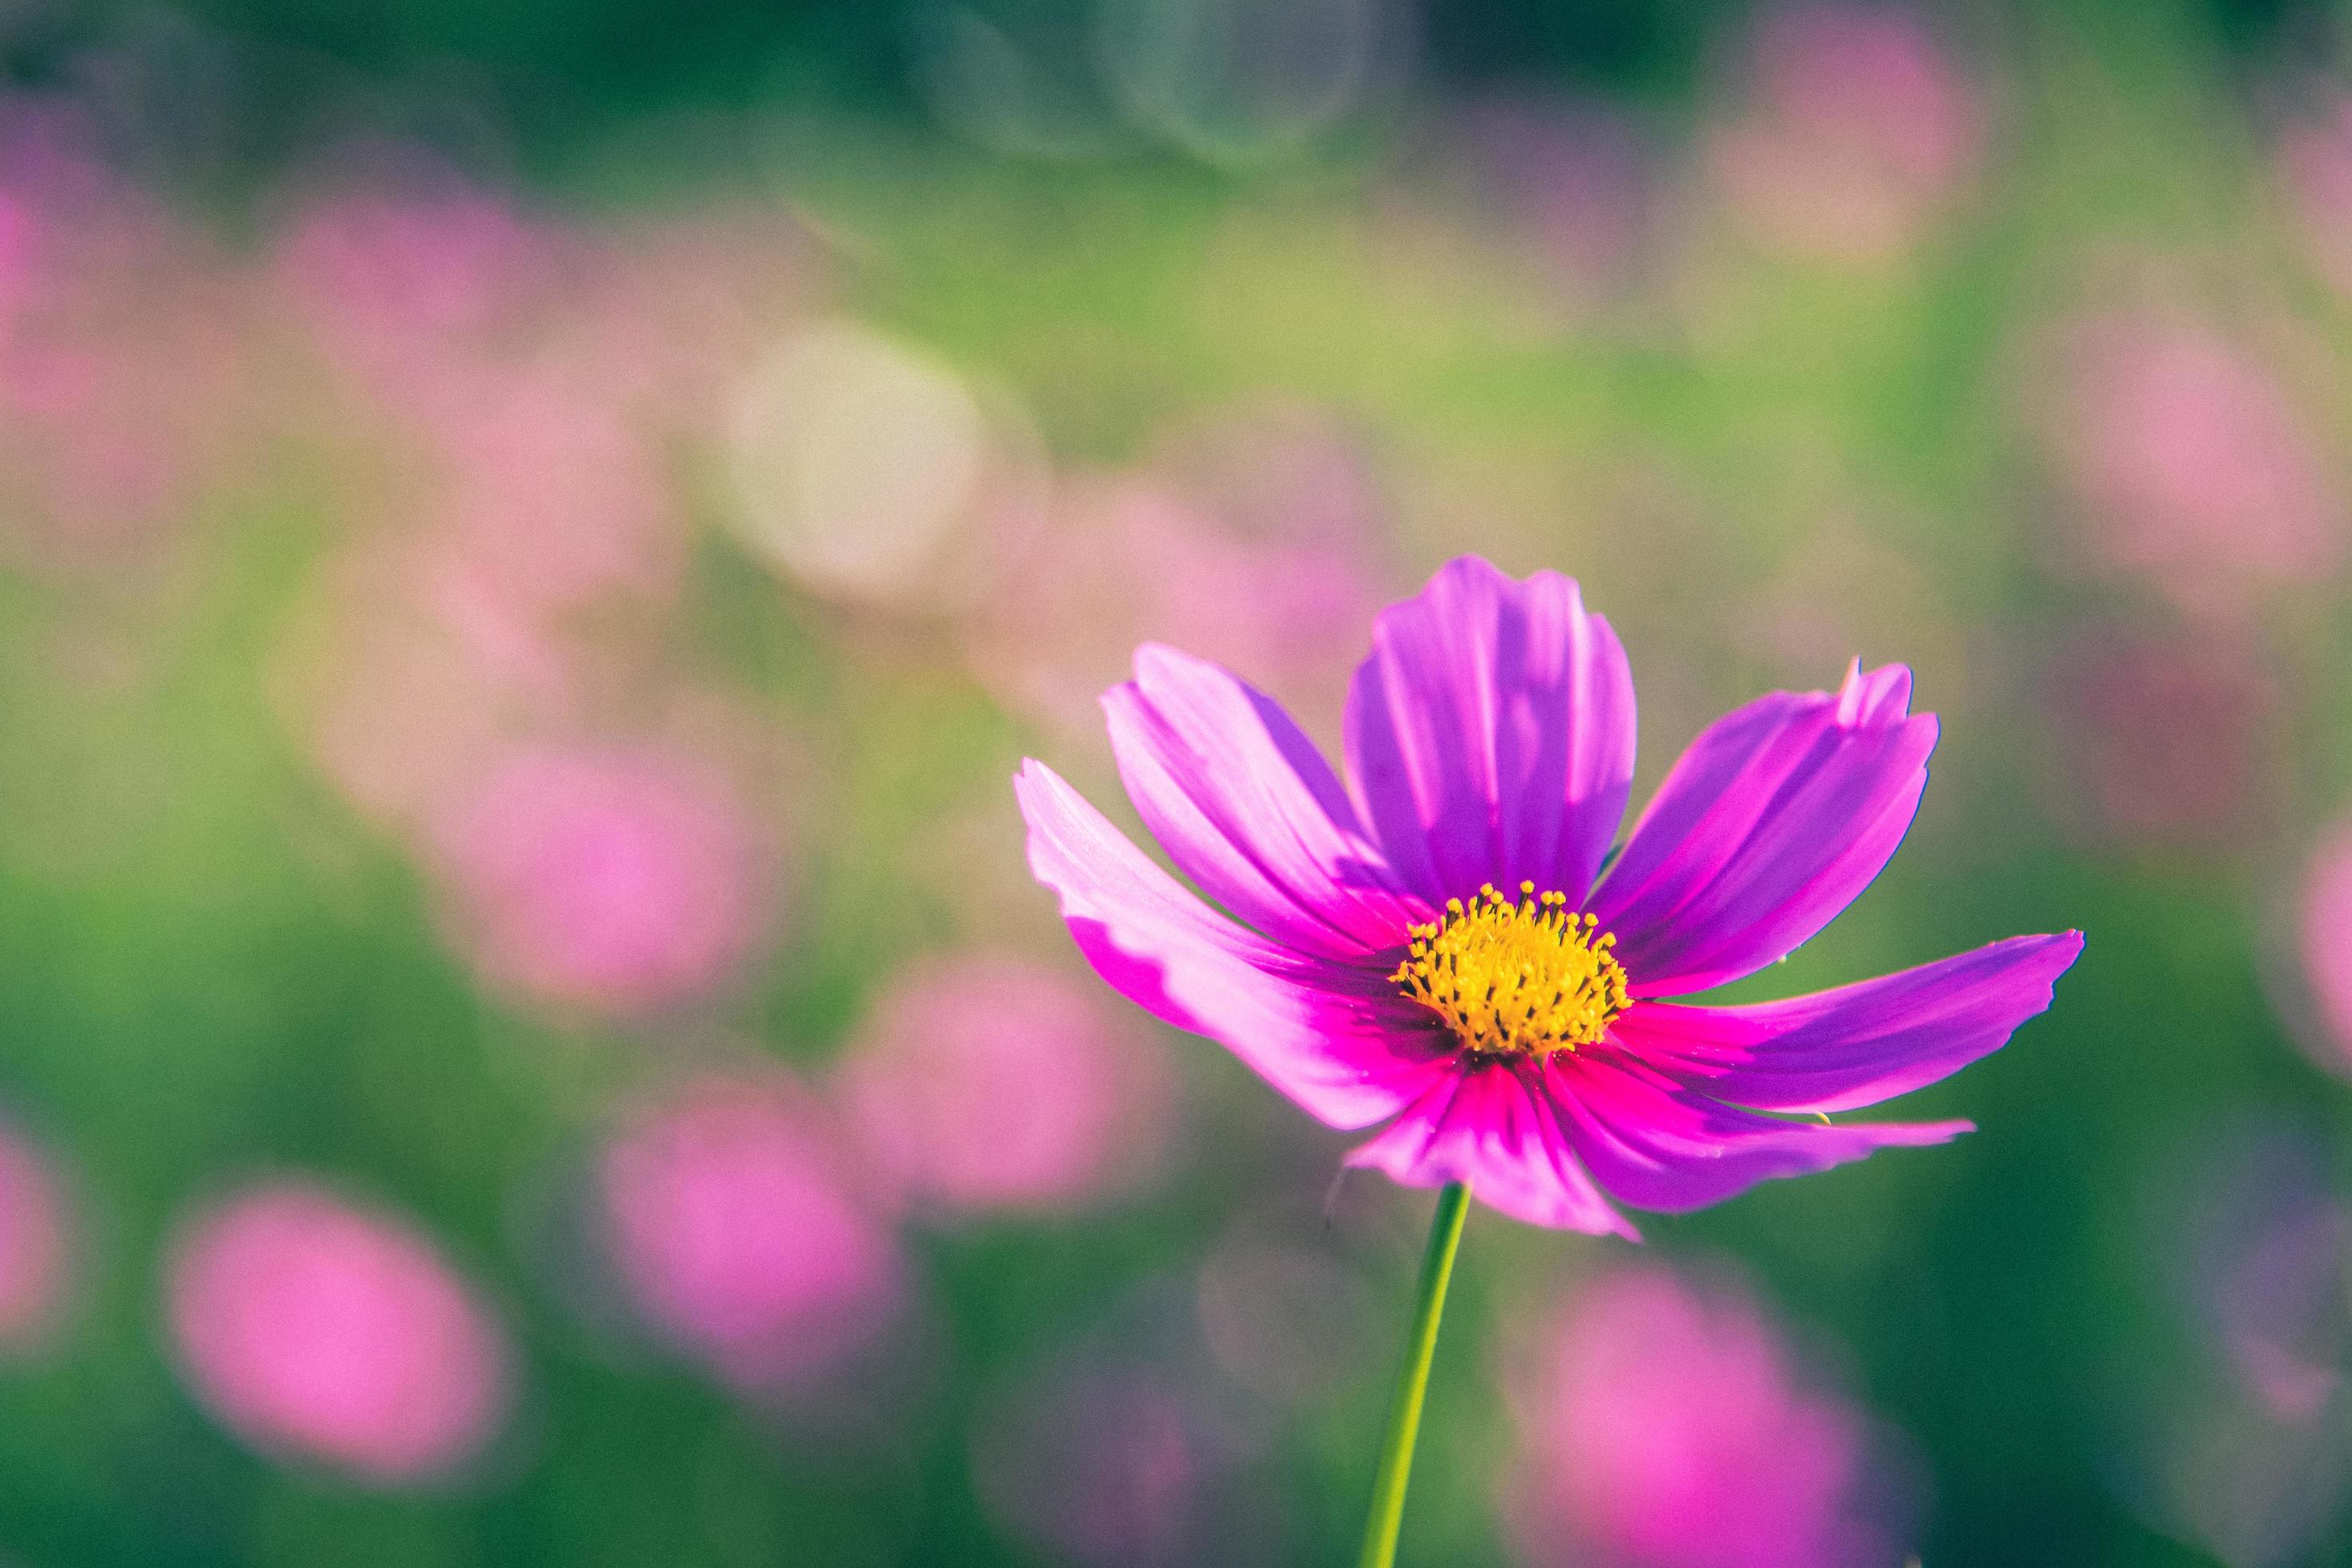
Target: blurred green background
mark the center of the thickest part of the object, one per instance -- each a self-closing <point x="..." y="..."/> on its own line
<point x="532" y="538"/>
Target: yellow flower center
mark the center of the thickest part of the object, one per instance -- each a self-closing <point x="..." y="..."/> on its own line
<point x="1515" y="979"/>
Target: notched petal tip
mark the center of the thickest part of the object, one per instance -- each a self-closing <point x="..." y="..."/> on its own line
<point x="1027" y="780"/>
<point x="1468" y="567"/>
<point x="1158" y="659"/>
<point x="1879" y="696"/>
<point x="1774" y="818"/>
<point x="1476" y="573"/>
<point x="1490" y="732"/>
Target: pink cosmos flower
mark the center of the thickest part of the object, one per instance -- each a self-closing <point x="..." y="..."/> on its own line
<point x="551" y="501"/>
<point x="1667" y="1427"/>
<point x="1523" y="1041"/>
<point x="314" y="1328"/>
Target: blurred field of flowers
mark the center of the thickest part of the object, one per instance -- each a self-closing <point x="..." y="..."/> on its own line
<point x="525" y="1033"/>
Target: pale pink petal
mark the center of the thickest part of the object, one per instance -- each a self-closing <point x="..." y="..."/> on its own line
<point x="1338" y="1040"/>
<point x="1245" y="805"/>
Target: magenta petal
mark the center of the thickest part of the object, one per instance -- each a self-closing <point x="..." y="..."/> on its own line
<point x="1338" y="1040"/>
<point x="1486" y="1127"/>
<point x="1769" y="825"/>
<point x="1857" y="1045"/>
<point x="1490" y="733"/>
<point x="1657" y="1145"/>
<point x="1246" y="806"/>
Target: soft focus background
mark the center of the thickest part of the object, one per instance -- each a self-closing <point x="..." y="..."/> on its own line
<point x="533" y="535"/>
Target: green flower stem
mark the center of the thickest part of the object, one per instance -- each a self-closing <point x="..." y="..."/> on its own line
<point x="1412" y="1379"/>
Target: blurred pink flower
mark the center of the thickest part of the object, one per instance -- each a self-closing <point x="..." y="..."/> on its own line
<point x="1568" y="183"/>
<point x="739" y="1239"/>
<point x="2167" y="740"/>
<point x="2326" y="941"/>
<point x="487" y="347"/>
<point x="398" y="265"/>
<point x="2315" y="161"/>
<point x="623" y="880"/>
<point x="675" y="308"/>
<point x="1664" y="1426"/>
<point x="35" y="1245"/>
<point x="2191" y="465"/>
<point x="537" y="510"/>
<point x="549" y="497"/>
<point x="318" y="1329"/>
<point x="112" y="438"/>
<point x="1128" y="561"/>
<point x="1861" y="130"/>
<point x="989" y="1082"/>
<point x="75" y="224"/>
<point x="123" y="381"/>
<point x="1102" y="1464"/>
<point x="405" y="686"/>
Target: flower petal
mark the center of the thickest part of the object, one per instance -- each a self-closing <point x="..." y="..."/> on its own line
<point x="1769" y="825"/>
<point x="1857" y="1045"/>
<point x="1490" y="735"/>
<point x="1247" y="808"/>
<point x="1335" y="1039"/>
<point x="1655" y="1145"/>
<point x="1485" y="1126"/>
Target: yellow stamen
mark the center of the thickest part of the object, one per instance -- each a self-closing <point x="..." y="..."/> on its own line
<point x="1526" y="978"/>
